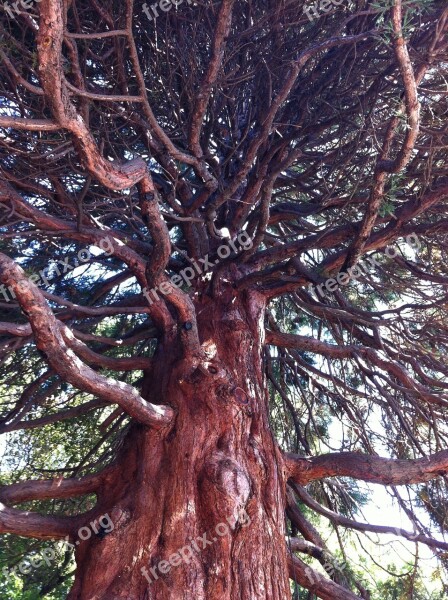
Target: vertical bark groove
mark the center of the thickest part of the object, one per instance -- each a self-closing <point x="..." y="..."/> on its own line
<point x="216" y="479"/>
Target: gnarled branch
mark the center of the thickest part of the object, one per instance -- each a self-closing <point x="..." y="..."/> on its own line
<point x="49" y="340"/>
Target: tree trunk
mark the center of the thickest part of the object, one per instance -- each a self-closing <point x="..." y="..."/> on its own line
<point x="198" y="511"/>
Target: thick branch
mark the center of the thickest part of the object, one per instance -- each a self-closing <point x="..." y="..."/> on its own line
<point x="49" y="340"/>
<point x="25" y="491"/>
<point x="133" y="363"/>
<point x="224" y="20"/>
<point x="49" y="43"/>
<point x="29" y="124"/>
<point x="29" y="524"/>
<point x="386" y="471"/>
<point x="315" y="582"/>
<point x="300" y="545"/>
<point x="413" y="126"/>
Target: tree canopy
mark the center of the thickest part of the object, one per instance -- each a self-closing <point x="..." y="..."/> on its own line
<point x="224" y="149"/>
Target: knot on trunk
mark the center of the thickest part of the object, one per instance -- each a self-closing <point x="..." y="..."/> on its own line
<point x="214" y="369"/>
<point x="226" y="476"/>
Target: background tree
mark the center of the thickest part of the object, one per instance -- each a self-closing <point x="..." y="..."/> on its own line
<point x="264" y="147"/>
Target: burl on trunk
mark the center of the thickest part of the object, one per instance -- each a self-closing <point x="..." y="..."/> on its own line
<point x="198" y="509"/>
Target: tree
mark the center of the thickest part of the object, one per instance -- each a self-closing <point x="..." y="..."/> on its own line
<point x="223" y="229"/>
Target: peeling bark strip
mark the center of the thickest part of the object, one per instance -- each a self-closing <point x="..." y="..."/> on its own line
<point x="49" y="340"/>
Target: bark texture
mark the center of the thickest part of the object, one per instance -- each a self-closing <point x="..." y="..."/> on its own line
<point x="217" y="466"/>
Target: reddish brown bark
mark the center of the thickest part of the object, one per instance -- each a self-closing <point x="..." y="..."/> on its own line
<point x="367" y="468"/>
<point x="232" y="130"/>
<point x="218" y="464"/>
